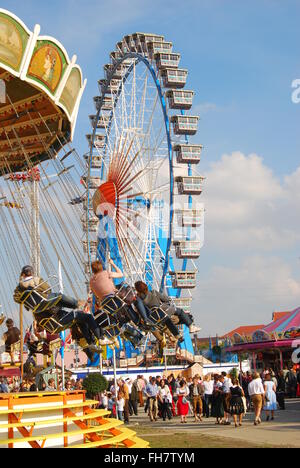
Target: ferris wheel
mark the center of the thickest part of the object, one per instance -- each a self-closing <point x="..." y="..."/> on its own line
<point x="142" y="206"/>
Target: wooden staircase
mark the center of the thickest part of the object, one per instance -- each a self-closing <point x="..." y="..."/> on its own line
<point x="60" y="420"/>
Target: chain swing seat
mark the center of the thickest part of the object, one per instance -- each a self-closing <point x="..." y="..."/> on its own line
<point x="163" y="322"/>
<point x="114" y="319"/>
<point x="44" y="310"/>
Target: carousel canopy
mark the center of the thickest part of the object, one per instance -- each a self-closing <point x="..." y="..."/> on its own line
<point x="40" y="92"/>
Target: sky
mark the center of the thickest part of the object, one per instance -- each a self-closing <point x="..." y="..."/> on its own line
<point x="242" y="58"/>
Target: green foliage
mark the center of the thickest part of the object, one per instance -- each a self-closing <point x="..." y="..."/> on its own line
<point x="217" y="350"/>
<point x="94" y="384"/>
<point x="234" y="374"/>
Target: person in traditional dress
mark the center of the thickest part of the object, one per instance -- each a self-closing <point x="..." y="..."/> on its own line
<point x="182" y="402"/>
<point x="270" y="397"/>
<point x="236" y="403"/>
<point x="217" y="410"/>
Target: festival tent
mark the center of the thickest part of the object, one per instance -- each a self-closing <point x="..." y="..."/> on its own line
<point x="285" y="323"/>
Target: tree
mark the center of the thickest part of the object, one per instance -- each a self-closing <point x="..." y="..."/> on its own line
<point x="217" y="350"/>
<point x="94" y="384"/>
<point x="234" y="373"/>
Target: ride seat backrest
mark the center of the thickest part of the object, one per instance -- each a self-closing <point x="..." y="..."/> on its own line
<point x="36" y="302"/>
<point x="127" y="294"/>
<point x="112" y="305"/>
<point x="157" y="315"/>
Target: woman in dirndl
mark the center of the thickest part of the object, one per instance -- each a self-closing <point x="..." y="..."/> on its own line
<point x="217" y="408"/>
<point x="270" y="397"/>
<point x="182" y="403"/>
<point x="236" y="404"/>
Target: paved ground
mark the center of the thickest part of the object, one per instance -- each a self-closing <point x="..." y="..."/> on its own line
<point x="283" y="431"/>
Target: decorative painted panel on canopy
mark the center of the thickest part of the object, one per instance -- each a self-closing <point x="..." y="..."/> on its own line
<point x="48" y="65"/>
<point x="13" y="41"/>
<point x="71" y="90"/>
<point x="42" y="89"/>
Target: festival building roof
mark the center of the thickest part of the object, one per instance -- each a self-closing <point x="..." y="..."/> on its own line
<point x="285" y="322"/>
<point x="278" y="334"/>
<point x="244" y="330"/>
<point x="277" y="315"/>
<point x="40" y="93"/>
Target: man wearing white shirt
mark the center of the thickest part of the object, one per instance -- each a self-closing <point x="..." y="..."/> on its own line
<point x="256" y="392"/>
<point x="208" y="385"/>
<point x="226" y="385"/>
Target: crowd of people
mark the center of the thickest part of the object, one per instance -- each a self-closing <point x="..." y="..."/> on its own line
<point x="225" y="398"/>
<point x="222" y="397"/>
<point x="14" y="385"/>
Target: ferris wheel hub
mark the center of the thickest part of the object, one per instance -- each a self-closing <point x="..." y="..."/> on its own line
<point x="105" y="199"/>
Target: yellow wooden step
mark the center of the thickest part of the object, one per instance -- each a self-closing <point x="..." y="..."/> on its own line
<point x="95" y="414"/>
<point x="80" y="404"/>
<point x="95" y="429"/>
<point x="139" y="443"/>
<point x="44" y="394"/>
<point x="126" y="434"/>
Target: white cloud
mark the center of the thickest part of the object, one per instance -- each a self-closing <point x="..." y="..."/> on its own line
<point x="247" y="294"/>
<point x="247" y="206"/>
<point x="252" y="232"/>
<point x="204" y="108"/>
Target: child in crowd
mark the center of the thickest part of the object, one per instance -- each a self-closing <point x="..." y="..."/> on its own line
<point x="120" y="407"/>
<point x="110" y="404"/>
<point x="104" y="400"/>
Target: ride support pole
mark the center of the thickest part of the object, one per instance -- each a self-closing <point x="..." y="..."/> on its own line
<point x="21" y="342"/>
<point x="241" y="368"/>
<point x="281" y="359"/>
<point x="101" y="363"/>
<point x="115" y="379"/>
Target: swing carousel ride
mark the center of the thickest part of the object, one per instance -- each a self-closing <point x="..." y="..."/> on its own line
<point x="134" y="198"/>
<point x="40" y="91"/>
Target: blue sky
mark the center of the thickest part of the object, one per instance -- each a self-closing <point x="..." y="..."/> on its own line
<point x="242" y="58"/>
